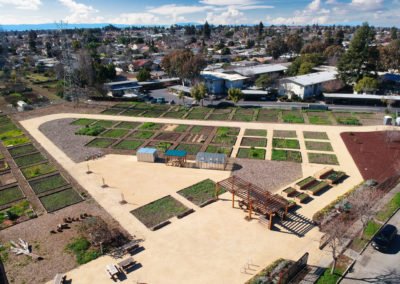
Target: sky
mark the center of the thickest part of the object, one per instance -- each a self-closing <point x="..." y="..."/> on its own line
<point x="232" y="12"/>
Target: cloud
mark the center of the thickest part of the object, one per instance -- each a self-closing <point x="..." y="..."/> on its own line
<point x="178" y="10"/>
<point x="314" y="5"/>
<point x="81" y="13"/>
<point x="229" y="17"/>
<point x="229" y="2"/>
<point x="136" y="19"/>
<point x="367" y="5"/>
<point x="22" y="4"/>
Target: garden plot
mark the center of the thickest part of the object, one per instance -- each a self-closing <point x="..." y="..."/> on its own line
<point x="132" y="112"/>
<point x="251" y="153"/>
<point x="112" y="111"/>
<point x="7" y="179"/>
<point x="268" y="115"/>
<point x="10" y="194"/>
<point x="218" y="116"/>
<point x="22" y="150"/>
<point x="201" y="193"/>
<point x="255" y="132"/>
<point x="219" y="149"/>
<point x="105" y="123"/>
<point x="16" y="141"/>
<point x="319" y="158"/>
<point x="175" y="114"/>
<point x="191" y="149"/>
<point x="346" y="118"/>
<point x="38" y="170"/>
<point x="253" y="142"/>
<point x="243" y="114"/>
<point x="114" y="133"/>
<point x="20" y="211"/>
<point x="167" y="136"/>
<point x="285" y="143"/>
<point x="101" y="142"/>
<point x="286" y="155"/>
<point x="177" y="128"/>
<point x="160" y="145"/>
<point x="128" y="144"/>
<point x="319" y="117"/>
<point x="90" y="130"/>
<point x="48" y="183"/>
<point x="152" y="113"/>
<point x="151" y="126"/>
<point x="285" y="133"/>
<point x="198" y="113"/>
<point x="83" y="121"/>
<point x="159" y="211"/>
<point x="29" y="159"/>
<point x="292" y="116"/>
<point x="142" y="134"/>
<point x="60" y="199"/>
<point x="318" y="146"/>
<point x="127" y="125"/>
<point x="315" y="135"/>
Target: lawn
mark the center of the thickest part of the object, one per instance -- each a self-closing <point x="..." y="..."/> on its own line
<point x="319" y="120"/>
<point x="151" y="126"/>
<point x="253" y="142"/>
<point x="200" y="192"/>
<point x="16" y="141"/>
<point x="101" y="142"/>
<point x="129" y="144"/>
<point x="285" y="143"/>
<point x="115" y="133"/>
<point x="315" y="135"/>
<point x="48" y="183"/>
<point x="326" y="159"/>
<point x="60" y="199"/>
<point x="22" y="150"/>
<point x="127" y="125"/>
<point x="10" y="194"/>
<point x="389" y="208"/>
<point x="255" y="132"/>
<point x="30" y="159"/>
<point x="292" y="117"/>
<point x="285" y="155"/>
<point x="342" y="264"/>
<point x="318" y="146"/>
<point x="191" y="149"/>
<point x="285" y="133"/>
<point x="369" y="231"/>
<point x="83" y="121"/>
<point x="159" y="211"/>
<point x="251" y="153"/>
<point x="92" y="130"/>
<point x="38" y="170"/>
<point x="219" y="150"/>
<point x="144" y="134"/>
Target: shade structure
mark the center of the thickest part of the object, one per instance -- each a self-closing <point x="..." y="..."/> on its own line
<point x="175" y="158"/>
<point x="206" y="160"/>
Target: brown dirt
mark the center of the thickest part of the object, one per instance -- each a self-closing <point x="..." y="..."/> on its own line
<point x="376" y="154"/>
<point x="167" y="136"/>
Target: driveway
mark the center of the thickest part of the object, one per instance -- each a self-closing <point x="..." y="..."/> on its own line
<point x="376" y="267"/>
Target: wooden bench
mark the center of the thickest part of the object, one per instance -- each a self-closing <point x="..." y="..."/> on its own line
<point x="59" y="279"/>
<point x="126" y="263"/>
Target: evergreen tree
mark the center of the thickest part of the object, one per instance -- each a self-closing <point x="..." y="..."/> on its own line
<point x="206" y="31"/>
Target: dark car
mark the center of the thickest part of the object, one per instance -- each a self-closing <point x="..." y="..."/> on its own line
<point x="384" y="238"/>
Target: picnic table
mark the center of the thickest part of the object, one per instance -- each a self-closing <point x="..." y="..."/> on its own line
<point x="126" y="263"/>
<point x="112" y="270"/>
<point x="130" y="246"/>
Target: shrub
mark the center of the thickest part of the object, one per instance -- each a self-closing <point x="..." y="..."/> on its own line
<point x="91" y="130"/>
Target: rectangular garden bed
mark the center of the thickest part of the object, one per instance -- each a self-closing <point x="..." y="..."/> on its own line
<point x="253" y="142"/>
<point x="327" y="159"/>
<point x="127" y="125"/>
<point x="151" y="126"/>
<point x="286" y="155"/>
<point x="290" y="116"/>
<point x="191" y="149"/>
<point x="200" y="193"/>
<point x="285" y="133"/>
<point x="105" y="123"/>
<point x="16" y="141"/>
<point x="285" y="143"/>
<point x="29" y="159"/>
<point x="251" y="153"/>
<point x="255" y="132"/>
<point x="114" y="133"/>
<point x="38" y="170"/>
<point x="129" y="144"/>
<point x="304" y="183"/>
<point x="22" y="150"/>
<point x="159" y="211"/>
<point x="318" y="146"/>
<point x="83" y="121"/>
<point x="315" y="135"/>
<point x="317" y="187"/>
<point x="61" y="199"/>
<point x="42" y="185"/>
<point x="101" y="142"/>
<point x="142" y="134"/>
<point x="10" y="194"/>
<point x="219" y="149"/>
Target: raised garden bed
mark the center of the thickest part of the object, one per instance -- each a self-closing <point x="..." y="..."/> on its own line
<point x="302" y="197"/>
<point x="251" y="153"/>
<point x="319" y="120"/>
<point x="101" y="142"/>
<point x="253" y="142"/>
<point x="286" y="155"/>
<point x="317" y="187"/>
<point x="10" y="194"/>
<point x="292" y="117"/>
<point x="304" y="183"/>
<point x="285" y="143"/>
<point x="129" y="144"/>
<point x="219" y="116"/>
<point x="29" y="159"/>
<point x="315" y="135"/>
<point x="115" y="133"/>
<point x="42" y="185"/>
<point x="61" y="199"/>
<point x="38" y="170"/>
<point x="151" y="126"/>
<point x="83" y="121"/>
<point x="333" y="177"/>
<point x="11" y="142"/>
<point x="223" y="131"/>
<point x="159" y="211"/>
<point x="318" y="146"/>
<point x="289" y="191"/>
<point x="105" y="123"/>
<point x="255" y="132"/>
<point x="224" y="140"/>
<point x="22" y="150"/>
<point x="201" y="192"/>
<point x="167" y="136"/>
<point x="10" y="134"/>
<point x="111" y="111"/>
<point x="132" y="112"/>
<point x="327" y="159"/>
<point x="219" y="150"/>
<point x="142" y="134"/>
<point x="191" y="149"/>
<point x="174" y="114"/>
<point x="127" y="125"/>
<point x="285" y="133"/>
<point x="17" y="213"/>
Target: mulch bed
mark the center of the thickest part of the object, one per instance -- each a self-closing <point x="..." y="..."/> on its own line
<point x="376" y="154"/>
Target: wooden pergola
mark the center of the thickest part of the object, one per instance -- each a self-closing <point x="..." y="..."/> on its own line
<point x="255" y="198"/>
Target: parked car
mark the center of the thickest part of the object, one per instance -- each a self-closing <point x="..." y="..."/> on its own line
<point x="384" y="238"/>
<point x="160" y="101"/>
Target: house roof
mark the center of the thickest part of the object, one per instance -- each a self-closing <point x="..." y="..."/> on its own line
<point x="260" y="69"/>
<point x="361" y="97"/>
<point x="222" y="76"/>
<point x="147" y="151"/>
<point x="312" y="78"/>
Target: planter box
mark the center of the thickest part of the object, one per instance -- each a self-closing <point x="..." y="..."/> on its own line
<point x="160" y="225"/>
<point x="207" y="202"/>
<point x="324" y="172"/>
<point x="302" y="197"/>
<point x="289" y="192"/>
<point x="333" y="177"/>
<point x="304" y="183"/>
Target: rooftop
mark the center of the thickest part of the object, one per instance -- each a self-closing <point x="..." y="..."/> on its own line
<point x="260" y="69"/>
<point x="313" y="78"/>
<point x="222" y="76"/>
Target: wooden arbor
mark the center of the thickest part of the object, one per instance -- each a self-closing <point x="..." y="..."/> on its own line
<point x="254" y="198"/>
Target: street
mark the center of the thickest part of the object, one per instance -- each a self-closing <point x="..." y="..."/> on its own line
<point x="377" y="267"/>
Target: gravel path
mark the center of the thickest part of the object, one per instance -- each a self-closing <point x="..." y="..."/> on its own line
<point x="62" y="134"/>
<point x="269" y="175"/>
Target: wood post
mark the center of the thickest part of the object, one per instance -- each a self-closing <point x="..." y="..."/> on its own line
<point x="250" y="209"/>
<point x="270" y="221"/>
<point x="233" y="200"/>
<point x="216" y="191"/>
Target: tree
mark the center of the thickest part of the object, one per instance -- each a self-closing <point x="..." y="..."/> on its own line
<point x="263" y="81"/>
<point x="181" y="96"/>
<point x="338" y="37"/>
<point x="393" y="33"/>
<point x="206" y="31"/>
<point x="32" y="36"/>
<point x="314" y="59"/>
<point x="235" y="94"/>
<point x="143" y="75"/>
<point x="294" y="43"/>
<point x="361" y="58"/>
<point x="250" y="43"/>
<point x="390" y="55"/>
<point x="366" y="84"/>
<point x="225" y="51"/>
<point x="260" y="29"/>
<point x="333" y="53"/>
<point x="305" y="68"/>
<point x="277" y="47"/>
<point x="198" y="92"/>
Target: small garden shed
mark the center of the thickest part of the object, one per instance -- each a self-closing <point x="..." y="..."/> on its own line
<point x="215" y="161"/>
<point x="147" y="155"/>
<point x="176" y="158"/>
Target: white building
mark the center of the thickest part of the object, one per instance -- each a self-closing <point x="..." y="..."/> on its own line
<point x="261" y="69"/>
<point x="306" y="86"/>
<point x="219" y="83"/>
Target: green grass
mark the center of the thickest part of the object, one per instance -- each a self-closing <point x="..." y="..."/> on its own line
<point x="111" y="111"/>
<point x="181" y="128"/>
<point x="82" y="250"/>
<point x="318" y="146"/>
<point x="127" y="125"/>
<point x="389" y="208"/>
<point x="60" y="199"/>
<point x="4" y="166"/>
<point x="242" y="117"/>
<point x="22" y="150"/>
<point x="159" y="211"/>
<point x="38" y="170"/>
<point x="10" y="194"/>
<point x="10" y="134"/>
<point x="191" y="149"/>
<point x="347" y="120"/>
<point x="223" y="131"/>
<point x="92" y="130"/>
<point x="16" y="141"/>
<point x="105" y="123"/>
<point x="253" y="142"/>
<point x="326" y="159"/>
<point x="200" y="192"/>
<point x="319" y="120"/>
<point x="151" y="126"/>
<point x="286" y="143"/>
<point x="197" y="129"/>
<point x="83" y="121"/>
<point x="48" y="183"/>
<point x="174" y="114"/>
<point x="30" y="159"/>
<point x="255" y="132"/>
<point x="114" y="133"/>
<point x="128" y="144"/>
<point x="219" y="150"/>
<point x="251" y="153"/>
<point x="292" y="117"/>
<point x="286" y="155"/>
<point x="196" y="115"/>
<point x="315" y="135"/>
<point x="101" y="142"/>
<point x="142" y="134"/>
<point x="13" y="213"/>
<point x="224" y="140"/>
